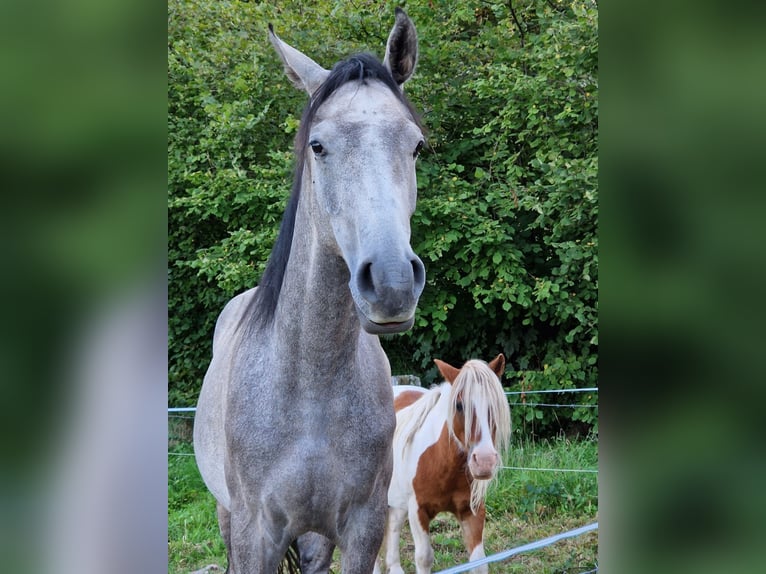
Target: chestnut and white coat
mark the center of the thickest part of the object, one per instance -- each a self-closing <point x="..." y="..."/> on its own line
<point x="439" y="465"/>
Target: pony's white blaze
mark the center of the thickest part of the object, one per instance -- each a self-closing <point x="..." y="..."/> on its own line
<point x="463" y="424"/>
<point x="484" y="459"/>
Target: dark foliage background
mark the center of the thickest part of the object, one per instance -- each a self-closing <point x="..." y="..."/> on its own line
<point x="508" y="194"/>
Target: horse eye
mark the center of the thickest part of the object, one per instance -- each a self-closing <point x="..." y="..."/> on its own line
<point x="418" y="148"/>
<point x="459" y="407"/>
<point x="316" y="147"/>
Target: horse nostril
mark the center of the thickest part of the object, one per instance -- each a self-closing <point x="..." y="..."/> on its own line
<point x="366" y="284"/>
<point x="491" y="458"/>
<point x="418" y="272"/>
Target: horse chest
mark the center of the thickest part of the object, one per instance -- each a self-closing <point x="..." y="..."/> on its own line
<point x="309" y="413"/>
<point x="440" y="482"/>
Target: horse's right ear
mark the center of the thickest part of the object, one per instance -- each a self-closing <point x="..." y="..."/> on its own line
<point x="498" y="365"/>
<point x="449" y="372"/>
<point x="304" y="73"/>
<point x="402" y="48"/>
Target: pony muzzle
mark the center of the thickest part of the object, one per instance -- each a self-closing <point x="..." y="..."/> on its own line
<point x="483" y="464"/>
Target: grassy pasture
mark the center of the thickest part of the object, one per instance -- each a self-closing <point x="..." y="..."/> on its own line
<point x="522" y="506"/>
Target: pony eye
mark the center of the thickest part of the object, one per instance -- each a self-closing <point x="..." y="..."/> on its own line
<point x="459" y="407"/>
<point x="316" y="147"/>
<point x="418" y="148"/>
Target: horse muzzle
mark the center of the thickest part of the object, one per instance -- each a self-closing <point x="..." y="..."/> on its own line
<point x="386" y="293"/>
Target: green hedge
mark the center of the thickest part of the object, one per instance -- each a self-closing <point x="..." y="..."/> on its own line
<point x="507" y="210"/>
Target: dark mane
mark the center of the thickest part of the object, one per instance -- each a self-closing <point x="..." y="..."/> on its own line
<point x="360" y="67"/>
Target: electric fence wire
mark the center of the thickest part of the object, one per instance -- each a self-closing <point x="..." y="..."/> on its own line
<point x="506" y="554"/>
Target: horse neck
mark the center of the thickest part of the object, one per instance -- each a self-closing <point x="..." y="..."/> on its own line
<point x="315" y="316"/>
<point x="424" y="420"/>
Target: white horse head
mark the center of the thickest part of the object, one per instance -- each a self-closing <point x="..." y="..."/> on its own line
<point x="358" y="143"/>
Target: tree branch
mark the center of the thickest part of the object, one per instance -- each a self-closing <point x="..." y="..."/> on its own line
<point x="518" y="24"/>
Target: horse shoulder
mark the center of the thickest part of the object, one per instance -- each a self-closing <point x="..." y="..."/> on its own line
<point x="228" y="320"/>
<point x="209" y="433"/>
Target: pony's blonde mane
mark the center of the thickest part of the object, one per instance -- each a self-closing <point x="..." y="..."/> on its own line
<point x="481" y="394"/>
<point x="411" y="418"/>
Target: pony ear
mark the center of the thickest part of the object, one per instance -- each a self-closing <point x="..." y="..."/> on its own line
<point x="448" y="371"/>
<point x="402" y="48"/>
<point x="498" y="365"/>
<point x="304" y="73"/>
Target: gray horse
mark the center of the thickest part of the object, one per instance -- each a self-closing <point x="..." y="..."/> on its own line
<point x="295" y="418"/>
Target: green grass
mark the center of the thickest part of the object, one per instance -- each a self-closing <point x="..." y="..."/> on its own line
<point x="540" y="494"/>
<point x="193" y="537"/>
<point x="522" y="506"/>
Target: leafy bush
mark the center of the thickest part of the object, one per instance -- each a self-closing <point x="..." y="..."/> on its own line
<point x="507" y="209"/>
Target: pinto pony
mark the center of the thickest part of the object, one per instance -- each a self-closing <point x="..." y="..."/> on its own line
<point x="447" y="449"/>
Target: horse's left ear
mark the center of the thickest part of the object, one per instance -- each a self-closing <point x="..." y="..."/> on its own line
<point x="448" y="371"/>
<point x="498" y="365"/>
<point x="402" y="48"/>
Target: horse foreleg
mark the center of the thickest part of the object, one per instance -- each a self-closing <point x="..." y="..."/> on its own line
<point x="224" y="524"/>
<point x="394" y="523"/>
<point x="360" y="540"/>
<point x="257" y="544"/>
<point x="419" y="521"/>
<point x="472" y="526"/>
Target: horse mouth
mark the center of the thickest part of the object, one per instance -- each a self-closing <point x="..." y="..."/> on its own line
<point x="386" y="328"/>
<point x="482" y="475"/>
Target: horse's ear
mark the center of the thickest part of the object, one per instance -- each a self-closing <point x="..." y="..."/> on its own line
<point x="498" y="365"/>
<point x="402" y="48"/>
<point x="304" y="73"/>
<point x="448" y="371"/>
